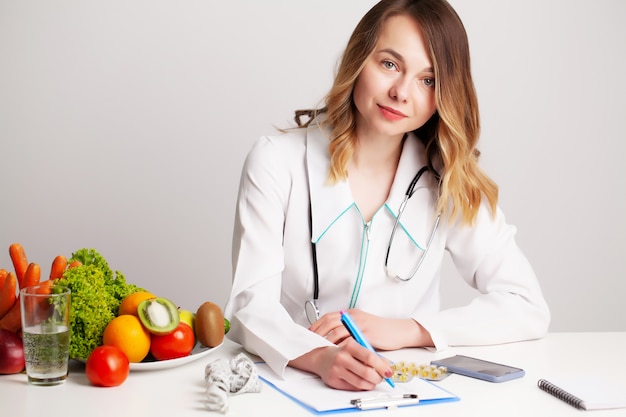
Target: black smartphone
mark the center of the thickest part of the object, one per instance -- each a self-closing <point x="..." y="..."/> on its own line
<point x="479" y="368"/>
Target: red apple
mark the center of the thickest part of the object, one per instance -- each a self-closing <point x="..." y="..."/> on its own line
<point x="11" y="353"/>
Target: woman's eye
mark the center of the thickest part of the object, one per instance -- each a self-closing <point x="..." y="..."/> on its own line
<point x="389" y="65"/>
<point x="429" y="82"/>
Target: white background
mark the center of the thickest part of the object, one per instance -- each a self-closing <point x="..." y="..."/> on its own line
<point x="124" y="124"/>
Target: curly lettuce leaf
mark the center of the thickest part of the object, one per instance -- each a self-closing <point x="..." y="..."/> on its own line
<point x="96" y="296"/>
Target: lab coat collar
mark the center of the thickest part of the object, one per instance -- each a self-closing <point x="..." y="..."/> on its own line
<point x="330" y="201"/>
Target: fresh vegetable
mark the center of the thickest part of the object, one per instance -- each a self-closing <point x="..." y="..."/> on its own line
<point x="210" y="324"/>
<point x="158" y="315"/>
<point x="20" y="262"/>
<point x="11" y="353"/>
<point x="3" y="277"/>
<point x="59" y="263"/>
<point x="74" y="264"/>
<point x="12" y="320"/>
<point x="31" y="276"/>
<point x="97" y="292"/>
<point x="176" y="344"/>
<point x="107" y="366"/>
<point x="8" y="293"/>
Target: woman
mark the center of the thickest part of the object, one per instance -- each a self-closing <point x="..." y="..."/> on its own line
<point x="322" y="200"/>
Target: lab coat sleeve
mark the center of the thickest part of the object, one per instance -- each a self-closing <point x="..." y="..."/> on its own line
<point x="510" y="305"/>
<point x="259" y="322"/>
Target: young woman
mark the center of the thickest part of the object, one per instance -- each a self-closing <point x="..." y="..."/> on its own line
<point x="321" y="225"/>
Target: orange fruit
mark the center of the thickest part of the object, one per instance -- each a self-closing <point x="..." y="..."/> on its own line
<point x="128" y="334"/>
<point x="130" y="302"/>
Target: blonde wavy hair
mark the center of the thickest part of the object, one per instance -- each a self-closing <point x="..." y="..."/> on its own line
<point x="450" y="135"/>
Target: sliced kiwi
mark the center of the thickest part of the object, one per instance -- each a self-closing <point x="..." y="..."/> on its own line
<point x="159" y="315"/>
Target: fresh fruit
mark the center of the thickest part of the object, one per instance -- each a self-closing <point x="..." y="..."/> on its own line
<point x="107" y="366"/>
<point x="210" y="324"/>
<point x="176" y="344"/>
<point x="128" y="334"/>
<point x="158" y="315"/>
<point x="130" y="302"/>
<point x="188" y="317"/>
<point x="11" y="353"/>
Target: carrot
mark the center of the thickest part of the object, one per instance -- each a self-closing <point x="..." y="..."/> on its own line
<point x="45" y="287"/>
<point x="74" y="264"/>
<point x="12" y="320"/>
<point x="3" y="277"/>
<point x="8" y="293"/>
<point x="20" y="263"/>
<point x="58" y="267"/>
<point x="31" y="276"/>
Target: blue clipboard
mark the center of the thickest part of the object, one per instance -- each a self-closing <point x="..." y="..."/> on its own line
<point x="310" y="392"/>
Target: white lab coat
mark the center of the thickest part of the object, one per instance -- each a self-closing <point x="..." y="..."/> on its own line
<point x="272" y="262"/>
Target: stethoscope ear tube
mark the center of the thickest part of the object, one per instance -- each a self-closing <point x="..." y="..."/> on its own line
<point x="411" y="188"/>
<point x="310" y="306"/>
<point x="421" y="260"/>
<point x="395" y="224"/>
<point x="316" y="286"/>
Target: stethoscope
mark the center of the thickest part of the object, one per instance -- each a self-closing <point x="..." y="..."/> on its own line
<point x="310" y="306"/>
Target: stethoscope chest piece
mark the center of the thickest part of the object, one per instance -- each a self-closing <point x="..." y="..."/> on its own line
<point x="311" y="311"/>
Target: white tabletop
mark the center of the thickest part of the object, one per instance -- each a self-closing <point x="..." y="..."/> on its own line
<point x="180" y="391"/>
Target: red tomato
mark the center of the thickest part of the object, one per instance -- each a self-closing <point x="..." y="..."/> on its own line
<point x="173" y="345"/>
<point x="107" y="366"/>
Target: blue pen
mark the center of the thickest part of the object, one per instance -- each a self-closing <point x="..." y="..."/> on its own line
<point x="356" y="333"/>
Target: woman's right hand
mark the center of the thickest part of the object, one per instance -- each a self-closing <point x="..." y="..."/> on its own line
<point x="347" y="366"/>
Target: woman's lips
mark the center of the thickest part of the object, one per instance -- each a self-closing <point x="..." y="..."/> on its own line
<point x="391" y="114"/>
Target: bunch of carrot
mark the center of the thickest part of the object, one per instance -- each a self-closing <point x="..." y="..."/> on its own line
<point x="25" y="275"/>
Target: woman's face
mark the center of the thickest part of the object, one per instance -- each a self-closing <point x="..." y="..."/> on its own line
<point x="395" y="92"/>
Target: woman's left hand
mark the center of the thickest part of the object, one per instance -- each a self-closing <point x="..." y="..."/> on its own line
<point x="382" y="333"/>
<point x="331" y="327"/>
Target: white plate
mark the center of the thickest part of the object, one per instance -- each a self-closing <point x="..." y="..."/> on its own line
<point x="198" y="352"/>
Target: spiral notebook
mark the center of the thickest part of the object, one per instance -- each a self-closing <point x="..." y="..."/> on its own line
<point x="586" y="393"/>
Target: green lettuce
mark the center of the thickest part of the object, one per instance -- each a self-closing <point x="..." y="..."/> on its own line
<point x="97" y="292"/>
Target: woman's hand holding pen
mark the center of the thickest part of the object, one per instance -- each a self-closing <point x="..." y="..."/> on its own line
<point x="350" y="366"/>
<point x="347" y="366"/>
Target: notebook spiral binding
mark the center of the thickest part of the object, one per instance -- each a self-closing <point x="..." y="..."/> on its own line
<point x="560" y="393"/>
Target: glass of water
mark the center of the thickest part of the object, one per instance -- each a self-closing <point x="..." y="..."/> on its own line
<point x="46" y="332"/>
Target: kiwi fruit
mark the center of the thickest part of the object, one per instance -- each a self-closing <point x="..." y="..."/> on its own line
<point x="210" y="324"/>
<point x="158" y="315"/>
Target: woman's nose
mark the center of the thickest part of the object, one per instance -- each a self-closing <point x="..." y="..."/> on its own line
<point x="399" y="90"/>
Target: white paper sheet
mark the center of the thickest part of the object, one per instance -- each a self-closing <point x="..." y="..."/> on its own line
<point x="310" y="391"/>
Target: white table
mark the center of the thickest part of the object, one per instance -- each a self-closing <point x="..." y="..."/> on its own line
<point x="179" y="392"/>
